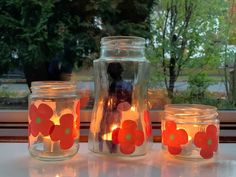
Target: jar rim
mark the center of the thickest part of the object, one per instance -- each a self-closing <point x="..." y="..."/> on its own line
<point x="56" y="86"/>
<point x="107" y="38"/>
<point x="122" y="41"/>
<point x="186" y="110"/>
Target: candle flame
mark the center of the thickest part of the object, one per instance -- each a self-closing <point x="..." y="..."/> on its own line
<point x="108" y="136"/>
<point x="114" y="127"/>
<point x="132" y="108"/>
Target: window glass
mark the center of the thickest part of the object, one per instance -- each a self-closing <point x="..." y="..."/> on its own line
<point x="191" y="46"/>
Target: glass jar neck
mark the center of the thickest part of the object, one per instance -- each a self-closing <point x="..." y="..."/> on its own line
<point x="122" y="47"/>
<point x="53" y="88"/>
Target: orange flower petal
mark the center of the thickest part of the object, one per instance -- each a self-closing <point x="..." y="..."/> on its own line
<point x="211" y="130"/>
<point x="127" y="148"/>
<point x="206" y="154"/>
<point x="170" y="125"/>
<point x="139" y="138"/>
<point x="45" y="127"/>
<point x="129" y="124"/>
<point x="67" y="120"/>
<point x="115" y="134"/>
<point x="45" y="111"/>
<point x="200" y="139"/>
<point x="174" y="150"/>
<point x="66" y="143"/>
<point x="126" y="136"/>
<point x="33" y="112"/>
<point x="182" y="136"/>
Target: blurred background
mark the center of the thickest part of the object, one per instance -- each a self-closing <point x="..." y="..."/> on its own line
<point x="191" y="45"/>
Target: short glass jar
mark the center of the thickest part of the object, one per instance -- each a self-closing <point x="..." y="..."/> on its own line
<point x="190" y="131"/>
<point x="53" y="117"/>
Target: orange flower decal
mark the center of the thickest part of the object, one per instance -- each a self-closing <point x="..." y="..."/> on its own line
<point x="174" y="138"/>
<point x="148" y="126"/>
<point x="64" y="132"/>
<point x="128" y="137"/>
<point x="40" y="119"/>
<point x="207" y="141"/>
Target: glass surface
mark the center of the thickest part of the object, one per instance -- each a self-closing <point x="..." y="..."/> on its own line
<point x="192" y="59"/>
<point x="120" y="118"/>
<point x="190" y="131"/>
<point x="54" y="110"/>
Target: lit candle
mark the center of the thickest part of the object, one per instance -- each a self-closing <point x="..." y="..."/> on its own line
<point x="108" y="136"/>
<point x="50" y="146"/>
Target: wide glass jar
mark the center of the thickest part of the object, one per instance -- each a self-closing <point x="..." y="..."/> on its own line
<point x="190" y="131"/>
<point x="120" y="123"/>
<point x="53" y="116"/>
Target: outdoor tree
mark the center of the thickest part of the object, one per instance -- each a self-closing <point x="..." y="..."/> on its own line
<point x="184" y="30"/>
<point x="228" y="38"/>
<point x="40" y="32"/>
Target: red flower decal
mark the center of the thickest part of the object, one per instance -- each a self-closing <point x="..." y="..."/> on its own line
<point x="128" y="137"/>
<point x="207" y="141"/>
<point x="147" y="121"/>
<point x="64" y="131"/>
<point x="174" y="138"/>
<point x="39" y="119"/>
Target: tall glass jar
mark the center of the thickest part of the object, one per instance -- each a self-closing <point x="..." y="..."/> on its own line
<point x="53" y="117"/>
<point x="120" y="123"/>
<point x="190" y="131"/>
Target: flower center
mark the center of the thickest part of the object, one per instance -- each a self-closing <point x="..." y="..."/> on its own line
<point x="67" y="131"/>
<point x="209" y="142"/>
<point x="38" y="120"/>
<point x="172" y="137"/>
<point x="128" y="137"/>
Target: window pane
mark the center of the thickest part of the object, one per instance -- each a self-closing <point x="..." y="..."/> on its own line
<point x="191" y="46"/>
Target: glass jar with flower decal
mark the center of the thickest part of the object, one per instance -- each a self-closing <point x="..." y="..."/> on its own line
<point x="120" y="123"/>
<point x="190" y="131"/>
<point x="53" y="116"/>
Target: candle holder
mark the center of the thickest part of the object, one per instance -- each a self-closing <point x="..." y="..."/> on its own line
<point x="53" y="120"/>
<point x="190" y="131"/>
<point x="120" y="123"/>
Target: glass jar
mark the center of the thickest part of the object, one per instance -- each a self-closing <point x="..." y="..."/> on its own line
<point x="53" y="117"/>
<point x="190" y="131"/>
<point x="120" y="123"/>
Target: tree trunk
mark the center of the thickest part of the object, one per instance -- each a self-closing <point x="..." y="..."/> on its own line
<point x="172" y="79"/>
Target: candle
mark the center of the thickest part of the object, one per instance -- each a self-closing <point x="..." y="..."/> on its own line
<point x="50" y="146"/>
<point x="108" y="136"/>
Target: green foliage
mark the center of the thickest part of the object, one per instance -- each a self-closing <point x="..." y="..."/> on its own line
<point x="198" y="84"/>
<point x="186" y="33"/>
<point x="39" y="30"/>
<point x="184" y="97"/>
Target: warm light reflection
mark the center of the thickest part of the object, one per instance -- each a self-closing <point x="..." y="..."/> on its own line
<point x="132" y="108"/>
<point x="108" y="136"/>
<point x="131" y="114"/>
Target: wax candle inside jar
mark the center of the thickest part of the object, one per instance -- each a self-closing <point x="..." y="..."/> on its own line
<point x="48" y="144"/>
